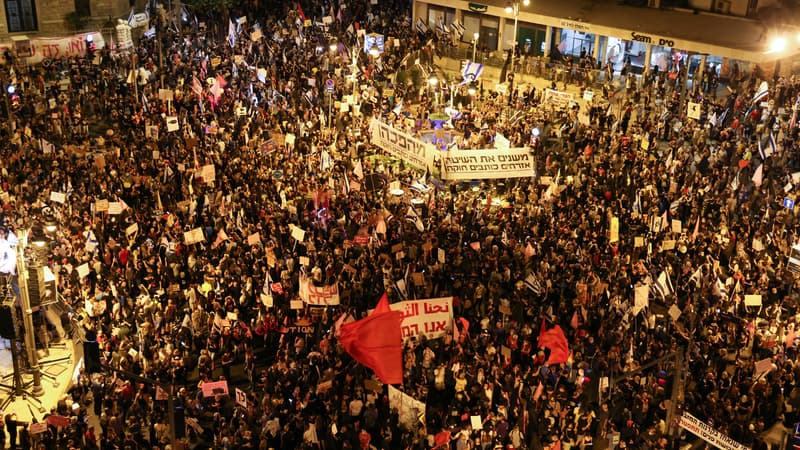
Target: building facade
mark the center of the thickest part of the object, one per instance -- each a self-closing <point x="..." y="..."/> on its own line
<point x="34" y="18"/>
<point x="618" y="34"/>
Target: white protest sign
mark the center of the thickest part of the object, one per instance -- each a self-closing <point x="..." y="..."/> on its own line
<point x="172" y="123"/>
<point x="486" y="164"/>
<point x="58" y="197"/>
<point x="241" y="398"/>
<point x="83" y="270"/>
<point x="298" y="233"/>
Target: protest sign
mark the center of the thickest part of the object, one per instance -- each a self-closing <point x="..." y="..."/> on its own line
<point x="318" y="295"/>
<point x="410" y="410"/>
<point x="487" y="164"/>
<point x="431" y="317"/>
<point x="401" y="145"/>
<point x="211" y="389"/>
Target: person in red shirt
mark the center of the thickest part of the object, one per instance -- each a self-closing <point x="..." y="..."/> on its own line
<point x="363" y="439"/>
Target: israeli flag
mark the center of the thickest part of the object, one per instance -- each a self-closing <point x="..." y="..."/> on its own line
<point x="663" y="286"/>
<point x="763" y="91"/>
<point x="471" y="71"/>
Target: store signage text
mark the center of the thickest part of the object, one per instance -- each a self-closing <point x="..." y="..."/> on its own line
<point x="649" y="40"/>
<point x="577" y="26"/>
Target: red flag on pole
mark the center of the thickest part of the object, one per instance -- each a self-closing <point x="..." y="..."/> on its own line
<point x="300" y="12"/>
<point x="376" y="342"/>
<point x="556" y="341"/>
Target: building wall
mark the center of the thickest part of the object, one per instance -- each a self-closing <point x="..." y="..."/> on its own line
<point x="50" y="16"/>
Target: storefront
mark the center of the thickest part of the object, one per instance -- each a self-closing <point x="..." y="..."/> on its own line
<point x="609" y="35"/>
<point x="530" y="37"/>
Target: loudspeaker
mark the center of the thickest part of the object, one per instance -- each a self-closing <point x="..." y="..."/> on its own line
<point x="36" y="288"/>
<point x="7" y="321"/>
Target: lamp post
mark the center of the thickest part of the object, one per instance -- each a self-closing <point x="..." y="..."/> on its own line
<point x="513" y="8"/>
<point x="27" y="313"/>
<point x="432" y="82"/>
<point x="475" y="37"/>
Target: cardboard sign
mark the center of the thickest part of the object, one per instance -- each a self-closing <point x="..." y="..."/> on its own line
<point x="114" y="208"/>
<point x="296" y="304"/>
<point x="752" y="300"/>
<point x="58" y="197"/>
<point x="166" y="95"/>
<point x="194" y="236"/>
<point x="254" y="239"/>
<point x="172" y="123"/>
<point x="83" y="270"/>
<point x="132" y="229"/>
<point x="476" y="422"/>
<point x="298" y="233"/>
<point x="677" y="226"/>
<point x="215" y="388"/>
<point x="241" y="398"/>
<point x="208" y="173"/>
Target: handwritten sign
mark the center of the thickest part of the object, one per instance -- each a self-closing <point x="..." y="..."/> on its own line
<point x="114" y="208"/>
<point x="298" y="233"/>
<point x="318" y="295"/>
<point x="241" y="398"/>
<point x="215" y="388"/>
<point x="194" y="236"/>
<point x="58" y="197"/>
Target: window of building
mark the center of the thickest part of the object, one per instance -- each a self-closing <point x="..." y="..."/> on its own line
<point x="82" y="8"/>
<point x="487" y="28"/>
<point x="438" y="15"/>
<point x="21" y="15"/>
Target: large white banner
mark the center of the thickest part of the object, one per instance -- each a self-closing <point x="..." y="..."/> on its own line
<point x="59" y="47"/>
<point x="486" y="164"/>
<point x="318" y="295"/>
<point x="708" y="434"/>
<point x="432" y="317"/>
<point x="401" y="145"/>
<point x="559" y="99"/>
<point x="409" y="409"/>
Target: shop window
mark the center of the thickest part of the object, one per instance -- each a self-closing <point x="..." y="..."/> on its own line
<point x="21" y="15"/>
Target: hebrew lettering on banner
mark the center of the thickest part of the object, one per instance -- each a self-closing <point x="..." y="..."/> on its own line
<point x="401" y="145"/>
<point x="487" y="164"/>
<point x="58" y="47"/>
<point x="318" y="295"/>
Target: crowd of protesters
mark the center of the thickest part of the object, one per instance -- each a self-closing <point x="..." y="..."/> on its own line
<point x="697" y="202"/>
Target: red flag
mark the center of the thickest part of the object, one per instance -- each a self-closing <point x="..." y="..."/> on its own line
<point x="383" y="305"/>
<point x="300" y="12"/>
<point x="556" y="341"/>
<point x="441" y="439"/>
<point x="574" y="322"/>
<point x="376" y="342"/>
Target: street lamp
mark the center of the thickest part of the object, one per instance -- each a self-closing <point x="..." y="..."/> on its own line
<point x="432" y="82"/>
<point x="474" y="44"/>
<point x="513" y="8"/>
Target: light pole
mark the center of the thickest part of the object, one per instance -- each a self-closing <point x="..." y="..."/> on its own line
<point x="513" y="8"/>
<point x="432" y="81"/>
<point x="27" y="313"/>
<point x="475" y="37"/>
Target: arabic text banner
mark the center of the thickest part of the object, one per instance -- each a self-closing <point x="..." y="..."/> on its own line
<point x="318" y="295"/>
<point x="487" y="164"/>
<point x="59" y="47"/>
<point x="432" y="317"/>
<point x="401" y="145"/>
